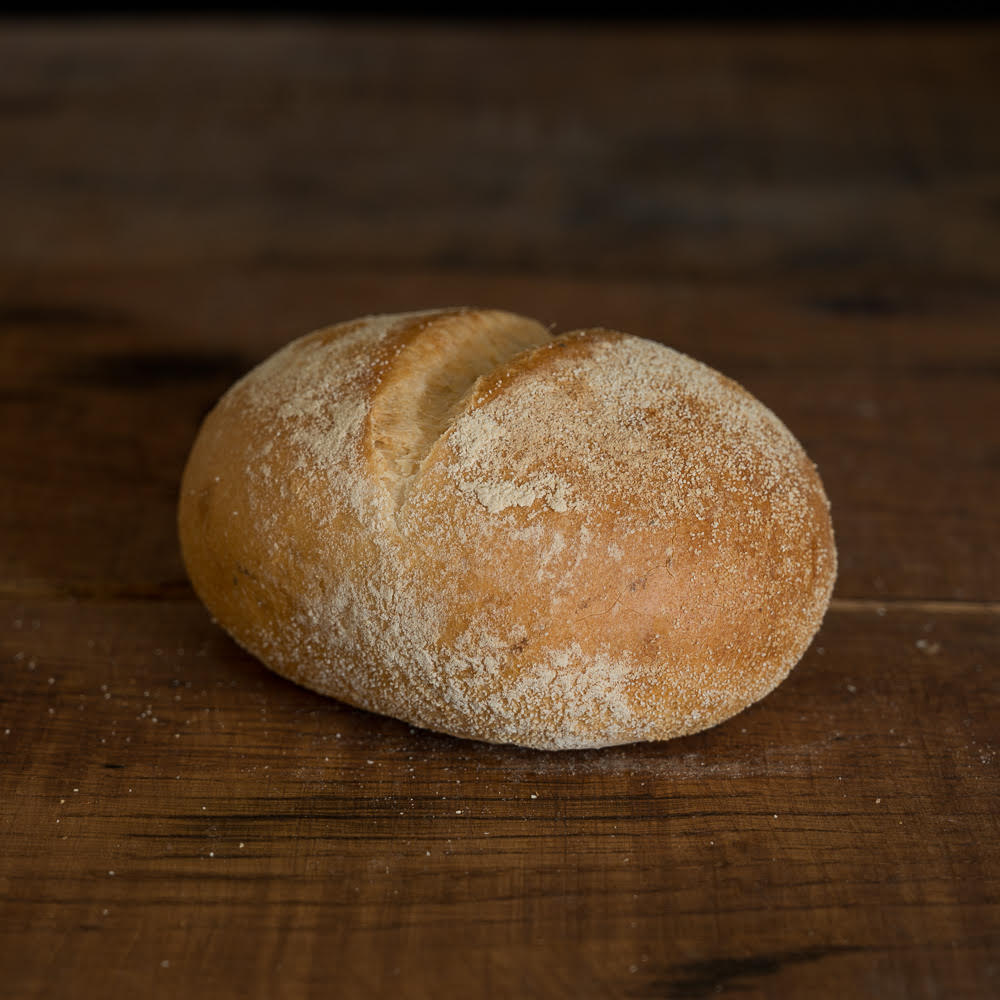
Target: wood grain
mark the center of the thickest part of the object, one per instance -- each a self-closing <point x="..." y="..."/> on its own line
<point x="913" y="521"/>
<point x="603" y="151"/>
<point x="262" y="838"/>
<point x="814" y="212"/>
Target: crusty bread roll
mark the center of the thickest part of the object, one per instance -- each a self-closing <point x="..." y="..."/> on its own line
<point x="458" y="520"/>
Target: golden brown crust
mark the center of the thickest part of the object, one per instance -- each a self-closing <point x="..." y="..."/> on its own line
<point x="596" y="541"/>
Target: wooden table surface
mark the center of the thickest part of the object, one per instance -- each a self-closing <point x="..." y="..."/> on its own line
<point x="816" y="212"/>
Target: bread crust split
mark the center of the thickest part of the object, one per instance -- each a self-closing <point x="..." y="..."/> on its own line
<point x="455" y="519"/>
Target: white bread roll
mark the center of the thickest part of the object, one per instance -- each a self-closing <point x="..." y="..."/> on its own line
<point x="455" y="519"/>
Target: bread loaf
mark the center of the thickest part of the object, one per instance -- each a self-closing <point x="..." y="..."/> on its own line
<point x="458" y="520"/>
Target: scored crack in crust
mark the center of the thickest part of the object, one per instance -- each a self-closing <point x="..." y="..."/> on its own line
<point x="456" y="519"/>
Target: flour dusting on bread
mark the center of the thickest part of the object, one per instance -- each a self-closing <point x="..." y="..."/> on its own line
<point x="456" y="519"/>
